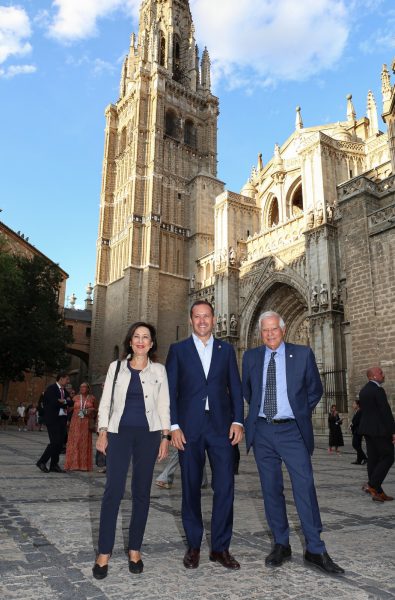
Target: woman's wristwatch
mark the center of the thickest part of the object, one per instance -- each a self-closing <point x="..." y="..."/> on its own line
<point x="166" y="436"/>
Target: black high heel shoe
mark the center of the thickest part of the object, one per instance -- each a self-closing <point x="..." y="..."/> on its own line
<point x="136" y="567"/>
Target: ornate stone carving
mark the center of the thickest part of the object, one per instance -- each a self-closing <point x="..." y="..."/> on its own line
<point x="314" y="298"/>
<point x="324" y="300"/>
<point x="233" y="324"/>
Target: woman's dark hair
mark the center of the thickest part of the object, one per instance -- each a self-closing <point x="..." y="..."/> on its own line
<point x="127" y="350"/>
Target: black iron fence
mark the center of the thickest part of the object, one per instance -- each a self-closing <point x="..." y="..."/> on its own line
<point x="335" y="390"/>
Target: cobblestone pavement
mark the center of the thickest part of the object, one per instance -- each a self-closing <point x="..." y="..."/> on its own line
<point x="49" y="528"/>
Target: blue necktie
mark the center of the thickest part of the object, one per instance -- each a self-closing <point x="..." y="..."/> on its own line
<point x="270" y="400"/>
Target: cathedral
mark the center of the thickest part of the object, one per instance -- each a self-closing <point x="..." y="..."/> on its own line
<point x="311" y="234"/>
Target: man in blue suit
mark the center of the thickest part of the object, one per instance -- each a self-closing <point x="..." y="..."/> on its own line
<point x="206" y="409"/>
<point x="282" y="385"/>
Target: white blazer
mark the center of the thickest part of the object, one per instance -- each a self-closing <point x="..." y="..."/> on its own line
<point x="156" y="396"/>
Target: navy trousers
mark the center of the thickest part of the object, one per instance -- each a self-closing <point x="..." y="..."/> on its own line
<point x="273" y="444"/>
<point x="221" y="457"/>
<point x="141" y="446"/>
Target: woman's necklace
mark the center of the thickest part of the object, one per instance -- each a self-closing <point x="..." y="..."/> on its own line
<point x="82" y="411"/>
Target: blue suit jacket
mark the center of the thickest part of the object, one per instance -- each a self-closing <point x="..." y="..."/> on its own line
<point x="189" y="388"/>
<point x="304" y="388"/>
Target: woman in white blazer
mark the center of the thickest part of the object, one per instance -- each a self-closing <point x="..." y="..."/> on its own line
<point x="134" y="425"/>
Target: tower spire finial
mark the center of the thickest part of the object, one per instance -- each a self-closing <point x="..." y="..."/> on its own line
<point x="299" y="121"/>
<point x="372" y="114"/>
<point x="351" y="114"/>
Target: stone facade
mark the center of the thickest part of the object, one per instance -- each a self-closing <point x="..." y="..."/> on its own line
<point x="310" y="235"/>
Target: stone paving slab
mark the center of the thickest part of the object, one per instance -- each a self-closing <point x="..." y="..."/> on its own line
<point x="49" y="528"/>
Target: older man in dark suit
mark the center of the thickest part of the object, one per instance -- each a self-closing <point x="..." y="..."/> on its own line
<point x="206" y="408"/>
<point x="378" y="426"/>
<point x="55" y="417"/>
<point x="282" y="385"/>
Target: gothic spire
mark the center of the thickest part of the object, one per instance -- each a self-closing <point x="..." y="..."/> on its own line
<point x="206" y="70"/>
<point x="372" y="114"/>
<point x="351" y="114"/>
<point x="298" y="122"/>
<point x="385" y="86"/>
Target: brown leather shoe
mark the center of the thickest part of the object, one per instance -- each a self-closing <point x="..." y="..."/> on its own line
<point x="374" y="493"/>
<point x="225" y="559"/>
<point x="385" y="497"/>
<point x="191" y="558"/>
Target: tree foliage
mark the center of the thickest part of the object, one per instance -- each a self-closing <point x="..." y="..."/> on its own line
<point x="33" y="336"/>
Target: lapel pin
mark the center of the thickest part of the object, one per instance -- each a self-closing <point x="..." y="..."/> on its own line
<point x="290" y="356"/>
<point x="219" y="347"/>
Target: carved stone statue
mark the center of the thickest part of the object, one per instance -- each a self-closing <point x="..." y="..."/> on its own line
<point x="335" y="295"/>
<point x="232" y="256"/>
<point x="192" y="282"/>
<point x="224" y="324"/>
<point x="219" y="324"/>
<point x="314" y="297"/>
<point x="324" y="295"/>
<point x="329" y="213"/>
<point x="233" y="323"/>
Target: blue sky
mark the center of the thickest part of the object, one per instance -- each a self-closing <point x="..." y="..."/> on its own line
<point x="60" y="66"/>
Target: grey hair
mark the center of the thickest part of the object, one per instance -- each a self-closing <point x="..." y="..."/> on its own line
<point x="271" y="313"/>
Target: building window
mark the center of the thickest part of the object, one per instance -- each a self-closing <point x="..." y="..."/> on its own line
<point x="70" y="328"/>
<point x="176" y="59"/>
<point x="122" y="141"/>
<point x="297" y="202"/>
<point x="162" y="50"/>
<point x="171" y="124"/>
<point x="88" y="332"/>
<point x="190" y="133"/>
<point x="274" y="214"/>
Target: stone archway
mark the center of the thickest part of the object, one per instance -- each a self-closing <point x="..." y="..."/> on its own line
<point x="291" y="305"/>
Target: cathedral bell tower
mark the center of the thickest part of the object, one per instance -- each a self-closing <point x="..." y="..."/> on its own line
<point x="158" y="183"/>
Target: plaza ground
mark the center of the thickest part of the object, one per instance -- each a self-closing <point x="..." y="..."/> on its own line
<point x="49" y="529"/>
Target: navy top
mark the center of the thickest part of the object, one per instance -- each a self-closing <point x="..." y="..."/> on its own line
<point x="134" y="412"/>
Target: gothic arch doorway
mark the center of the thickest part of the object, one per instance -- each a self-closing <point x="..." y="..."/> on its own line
<point x="290" y="304"/>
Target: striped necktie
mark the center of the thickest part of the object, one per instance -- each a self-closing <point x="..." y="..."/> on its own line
<point x="270" y="400"/>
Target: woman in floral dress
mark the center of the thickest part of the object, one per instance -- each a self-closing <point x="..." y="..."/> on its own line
<point x="79" y="443"/>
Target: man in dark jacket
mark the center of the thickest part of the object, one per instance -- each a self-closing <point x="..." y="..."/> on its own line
<point x="56" y="399"/>
<point x="378" y="426"/>
<point x="356" y="438"/>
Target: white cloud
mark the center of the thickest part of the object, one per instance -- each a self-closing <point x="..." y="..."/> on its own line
<point x="14" y="70"/>
<point x="269" y="40"/>
<point x="250" y="42"/>
<point x="77" y="19"/>
<point x="383" y="38"/>
<point x="14" y="31"/>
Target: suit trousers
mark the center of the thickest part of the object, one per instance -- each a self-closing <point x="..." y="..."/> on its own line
<point x="380" y="451"/>
<point x="357" y="445"/>
<point x="192" y="459"/>
<point x="56" y="432"/>
<point x="141" y="446"/>
<point x="273" y="444"/>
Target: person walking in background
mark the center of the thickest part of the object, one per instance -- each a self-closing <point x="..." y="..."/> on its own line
<point x="166" y="478"/>
<point x="282" y="386"/>
<point x="40" y="412"/>
<point x="134" y="423"/>
<point x="20" y="412"/>
<point x="356" y="438"/>
<point x="79" y="443"/>
<point x="206" y="416"/>
<point x="32" y="418"/>
<point x="335" y="430"/>
<point x="377" y="424"/>
<point x="55" y="415"/>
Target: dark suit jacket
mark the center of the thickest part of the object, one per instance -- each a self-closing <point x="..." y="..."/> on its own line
<point x="52" y="405"/>
<point x="304" y="388"/>
<point x="376" y="415"/>
<point x="189" y="387"/>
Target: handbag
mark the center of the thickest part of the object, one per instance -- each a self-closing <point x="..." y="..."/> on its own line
<point x="113" y="388"/>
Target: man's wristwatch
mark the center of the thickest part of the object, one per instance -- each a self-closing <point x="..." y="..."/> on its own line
<point x="166" y="436"/>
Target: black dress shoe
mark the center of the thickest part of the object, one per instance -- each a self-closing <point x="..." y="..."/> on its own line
<point x="364" y="461"/>
<point x="278" y="555"/>
<point x="225" y="559"/>
<point x="42" y="466"/>
<point x="99" y="572"/>
<point x="191" y="558"/>
<point x="136" y="567"/>
<point x="356" y="463"/>
<point x="324" y="562"/>
<point x="56" y="469"/>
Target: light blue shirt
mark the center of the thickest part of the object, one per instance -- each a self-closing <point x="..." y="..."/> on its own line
<point x="284" y="410"/>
